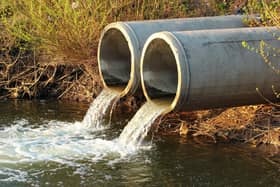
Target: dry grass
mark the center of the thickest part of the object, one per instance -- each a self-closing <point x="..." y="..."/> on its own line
<point x="21" y="76"/>
<point x="257" y="125"/>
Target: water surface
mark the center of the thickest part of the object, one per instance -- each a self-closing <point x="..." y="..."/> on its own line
<point x="42" y="143"/>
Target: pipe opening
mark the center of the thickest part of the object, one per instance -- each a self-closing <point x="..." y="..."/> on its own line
<point x="160" y="73"/>
<point x="115" y="57"/>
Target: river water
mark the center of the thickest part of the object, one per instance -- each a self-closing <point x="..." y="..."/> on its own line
<point x="42" y="143"/>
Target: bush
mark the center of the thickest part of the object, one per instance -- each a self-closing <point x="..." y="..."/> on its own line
<point x="41" y="34"/>
<point x="69" y="30"/>
<point x="269" y="11"/>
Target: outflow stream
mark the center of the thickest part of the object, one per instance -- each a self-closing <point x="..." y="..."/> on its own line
<point x="66" y="143"/>
<point x="42" y="145"/>
<point x="99" y="109"/>
<point x="138" y="127"/>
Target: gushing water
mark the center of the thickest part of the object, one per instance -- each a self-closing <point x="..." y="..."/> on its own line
<point x="137" y="129"/>
<point x="66" y="143"/>
<point x="57" y="141"/>
<point x="100" y="108"/>
<point x="36" y="151"/>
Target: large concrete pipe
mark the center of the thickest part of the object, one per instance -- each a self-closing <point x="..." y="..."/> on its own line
<point x="205" y="69"/>
<point x="121" y="44"/>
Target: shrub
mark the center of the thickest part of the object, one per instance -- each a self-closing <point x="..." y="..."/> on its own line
<point x="47" y="33"/>
<point x="69" y="30"/>
<point x="269" y="11"/>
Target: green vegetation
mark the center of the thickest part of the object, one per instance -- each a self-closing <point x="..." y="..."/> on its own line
<point x="68" y="30"/>
<point x="269" y="11"/>
<point x="48" y="49"/>
<point x="50" y="44"/>
<point x="45" y="37"/>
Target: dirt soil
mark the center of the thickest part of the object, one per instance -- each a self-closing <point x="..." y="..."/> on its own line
<point x="256" y="124"/>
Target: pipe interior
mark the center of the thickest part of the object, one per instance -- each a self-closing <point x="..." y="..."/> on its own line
<point x="160" y="73"/>
<point x="115" y="59"/>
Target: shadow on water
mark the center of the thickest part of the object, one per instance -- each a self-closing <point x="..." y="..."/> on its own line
<point x="41" y="110"/>
<point x="171" y="161"/>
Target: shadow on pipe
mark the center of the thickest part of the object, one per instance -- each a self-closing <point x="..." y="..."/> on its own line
<point x="121" y="45"/>
<point x="204" y="69"/>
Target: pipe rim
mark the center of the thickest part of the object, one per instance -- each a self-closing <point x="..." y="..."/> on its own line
<point x="183" y="69"/>
<point x="133" y="45"/>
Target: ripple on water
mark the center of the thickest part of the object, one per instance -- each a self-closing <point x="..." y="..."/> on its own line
<point x="28" y="151"/>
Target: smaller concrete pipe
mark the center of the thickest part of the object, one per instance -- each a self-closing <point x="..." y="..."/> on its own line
<point x="121" y="44"/>
<point x="205" y="69"/>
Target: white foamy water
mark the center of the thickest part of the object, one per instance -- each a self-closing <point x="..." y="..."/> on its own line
<point x="13" y="175"/>
<point x="57" y="141"/>
<point x="138" y="127"/>
<point x="60" y="142"/>
<point x="100" y="108"/>
<point x="64" y="142"/>
<point x="67" y="143"/>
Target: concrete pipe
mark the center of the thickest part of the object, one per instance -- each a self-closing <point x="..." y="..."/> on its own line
<point x="205" y="69"/>
<point x="121" y="44"/>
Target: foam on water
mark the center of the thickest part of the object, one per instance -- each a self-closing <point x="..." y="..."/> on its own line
<point x="57" y="141"/>
<point x="12" y="175"/>
<point x="67" y="143"/>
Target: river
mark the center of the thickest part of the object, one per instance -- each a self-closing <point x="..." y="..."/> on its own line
<point x="43" y="144"/>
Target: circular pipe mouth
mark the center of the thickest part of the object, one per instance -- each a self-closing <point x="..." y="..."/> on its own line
<point x="116" y="54"/>
<point x="164" y="71"/>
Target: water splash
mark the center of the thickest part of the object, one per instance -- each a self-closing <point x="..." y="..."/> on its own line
<point x="56" y="141"/>
<point x="65" y="142"/>
<point x="60" y="141"/>
<point x="12" y="175"/>
<point x="23" y="143"/>
<point x="138" y="127"/>
<point x="100" y="108"/>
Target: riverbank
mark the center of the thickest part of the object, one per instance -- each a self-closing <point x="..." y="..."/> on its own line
<point x="49" y="49"/>
<point x="30" y="70"/>
<point x="62" y="155"/>
<point x="256" y="125"/>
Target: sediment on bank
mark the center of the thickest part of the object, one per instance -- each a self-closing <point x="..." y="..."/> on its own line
<point x="255" y="124"/>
